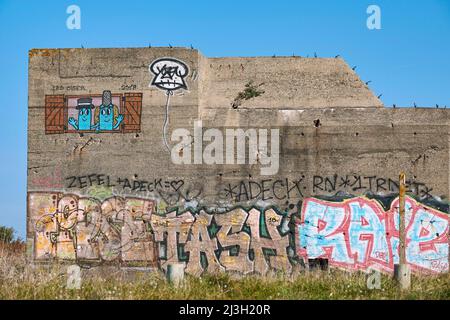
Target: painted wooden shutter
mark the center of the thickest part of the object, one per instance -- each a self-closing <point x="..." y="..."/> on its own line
<point x="132" y="109"/>
<point x="54" y="114"/>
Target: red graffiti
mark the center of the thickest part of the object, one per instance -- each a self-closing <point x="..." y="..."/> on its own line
<point x="54" y="181"/>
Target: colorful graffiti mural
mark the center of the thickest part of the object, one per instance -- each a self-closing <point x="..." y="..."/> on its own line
<point x="358" y="233"/>
<point x="88" y="230"/>
<point x="103" y="117"/>
<point x="238" y="240"/>
<point x="354" y="234"/>
<point x="97" y="113"/>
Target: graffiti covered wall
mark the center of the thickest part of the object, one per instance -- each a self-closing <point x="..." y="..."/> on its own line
<point x="356" y="233"/>
<point x="359" y="234"/>
<point x="69" y="227"/>
<point x="128" y="230"/>
<point x="104" y="188"/>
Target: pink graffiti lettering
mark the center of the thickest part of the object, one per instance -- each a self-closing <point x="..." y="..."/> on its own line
<point x="359" y="234"/>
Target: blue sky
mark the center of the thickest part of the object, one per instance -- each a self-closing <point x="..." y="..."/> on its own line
<point x="407" y="60"/>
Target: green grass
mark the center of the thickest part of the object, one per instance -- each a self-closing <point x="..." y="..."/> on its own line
<point x="19" y="280"/>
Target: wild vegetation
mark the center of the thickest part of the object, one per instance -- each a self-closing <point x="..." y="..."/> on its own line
<point x="251" y="91"/>
<point x="20" y="279"/>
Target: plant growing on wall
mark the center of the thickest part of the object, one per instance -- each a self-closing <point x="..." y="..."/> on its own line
<point x="251" y="91"/>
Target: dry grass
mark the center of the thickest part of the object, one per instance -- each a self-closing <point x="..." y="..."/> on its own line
<point x="20" y="280"/>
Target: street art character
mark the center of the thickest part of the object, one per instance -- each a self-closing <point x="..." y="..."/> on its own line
<point x="107" y="115"/>
<point x="169" y="74"/>
<point x="84" y="107"/>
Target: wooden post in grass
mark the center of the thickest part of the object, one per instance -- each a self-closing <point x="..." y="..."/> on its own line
<point x="175" y="274"/>
<point x="402" y="271"/>
<point x="401" y="211"/>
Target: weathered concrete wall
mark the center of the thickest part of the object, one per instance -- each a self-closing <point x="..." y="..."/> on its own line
<point x="289" y="83"/>
<point x="104" y="195"/>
